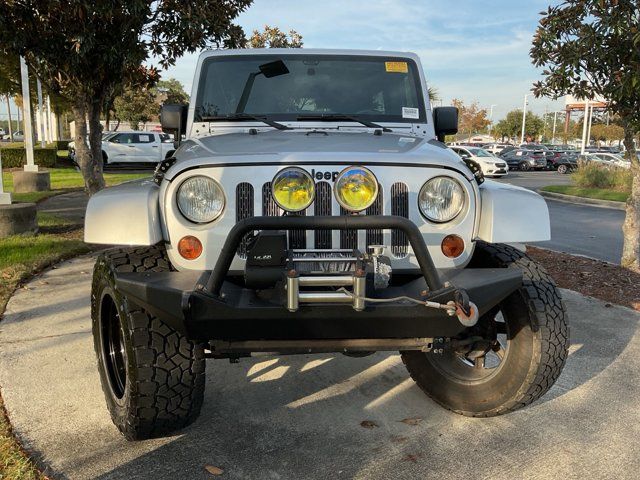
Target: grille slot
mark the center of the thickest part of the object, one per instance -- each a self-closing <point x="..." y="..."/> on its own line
<point x="399" y="207"/>
<point x="244" y="209"/>
<point x="322" y="207"/>
<point x="374" y="236"/>
<point x="348" y="238"/>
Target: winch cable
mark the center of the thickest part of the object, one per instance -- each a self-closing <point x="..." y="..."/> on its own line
<point x="450" y="307"/>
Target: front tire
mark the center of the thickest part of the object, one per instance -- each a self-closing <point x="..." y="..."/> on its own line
<point x="524" y="166"/>
<point x="522" y="352"/>
<point x="562" y="169"/>
<point x="152" y="376"/>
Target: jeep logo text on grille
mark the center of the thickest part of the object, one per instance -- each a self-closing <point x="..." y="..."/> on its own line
<point x="324" y="175"/>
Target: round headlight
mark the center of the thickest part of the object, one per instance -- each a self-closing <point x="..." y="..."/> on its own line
<point x="441" y="199"/>
<point x="356" y="188"/>
<point x="200" y="199"/>
<point x="293" y="189"/>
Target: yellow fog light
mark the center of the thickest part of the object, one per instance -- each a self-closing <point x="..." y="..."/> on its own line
<point x="356" y="188"/>
<point x="293" y="189"/>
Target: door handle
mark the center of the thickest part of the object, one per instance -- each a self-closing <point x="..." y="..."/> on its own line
<point x="154" y="146"/>
<point x="131" y="146"/>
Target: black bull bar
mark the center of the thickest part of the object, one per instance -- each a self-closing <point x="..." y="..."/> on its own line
<point x="207" y="306"/>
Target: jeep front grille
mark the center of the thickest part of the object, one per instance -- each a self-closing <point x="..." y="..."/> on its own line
<point x="400" y="207"/>
<point x="322" y="207"/>
<point x="244" y="209"/>
<point x="325" y="205"/>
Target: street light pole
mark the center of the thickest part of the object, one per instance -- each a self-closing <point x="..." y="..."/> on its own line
<point x="555" y="118"/>
<point x="26" y="115"/>
<point x="524" y="116"/>
<point x="491" y="117"/>
<point x="584" y="126"/>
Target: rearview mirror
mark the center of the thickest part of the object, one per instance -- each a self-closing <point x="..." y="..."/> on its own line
<point x="445" y="121"/>
<point x="173" y="119"/>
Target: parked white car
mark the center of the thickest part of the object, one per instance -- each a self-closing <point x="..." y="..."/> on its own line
<point x="607" y="159"/>
<point x="490" y="165"/>
<point x="132" y="147"/>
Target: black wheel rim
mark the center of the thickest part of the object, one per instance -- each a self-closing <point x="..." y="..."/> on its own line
<point x="113" y="350"/>
<point x="476" y="366"/>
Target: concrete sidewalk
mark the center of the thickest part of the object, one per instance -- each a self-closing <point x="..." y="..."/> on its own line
<point x="70" y="206"/>
<point x="299" y="417"/>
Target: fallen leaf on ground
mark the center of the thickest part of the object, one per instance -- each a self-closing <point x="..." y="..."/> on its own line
<point x="368" y="424"/>
<point x="213" y="470"/>
<point x="411" y="421"/>
<point x="411" y="458"/>
<point x="398" y="438"/>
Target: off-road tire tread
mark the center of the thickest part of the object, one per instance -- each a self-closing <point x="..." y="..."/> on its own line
<point x="168" y="393"/>
<point x="548" y="312"/>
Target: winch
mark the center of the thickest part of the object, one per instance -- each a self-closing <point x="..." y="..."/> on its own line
<point x="317" y="276"/>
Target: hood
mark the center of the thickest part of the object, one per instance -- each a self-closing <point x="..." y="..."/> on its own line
<point x="315" y="146"/>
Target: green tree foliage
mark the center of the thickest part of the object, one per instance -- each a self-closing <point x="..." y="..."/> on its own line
<point x="273" y="37"/>
<point x="170" y="91"/>
<point x="136" y="106"/>
<point x="471" y="118"/>
<point x="591" y="48"/>
<point x="601" y="132"/>
<point x="511" y="125"/>
<point x="88" y="50"/>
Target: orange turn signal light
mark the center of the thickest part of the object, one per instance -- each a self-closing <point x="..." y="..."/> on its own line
<point x="452" y="246"/>
<point x="189" y="247"/>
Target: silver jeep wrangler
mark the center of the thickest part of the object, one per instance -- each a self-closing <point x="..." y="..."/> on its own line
<point x="314" y="207"/>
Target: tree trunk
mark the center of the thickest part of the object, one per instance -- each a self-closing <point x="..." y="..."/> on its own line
<point x="631" y="226"/>
<point x="9" y="114"/>
<point x="107" y="116"/>
<point x="89" y="158"/>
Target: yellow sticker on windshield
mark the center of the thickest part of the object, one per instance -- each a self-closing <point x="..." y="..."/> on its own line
<point x="400" y="67"/>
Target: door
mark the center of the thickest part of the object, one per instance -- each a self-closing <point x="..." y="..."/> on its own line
<point x="122" y="148"/>
<point x="148" y="145"/>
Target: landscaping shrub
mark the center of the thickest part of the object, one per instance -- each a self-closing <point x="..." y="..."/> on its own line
<point x="17" y="157"/>
<point x="592" y="175"/>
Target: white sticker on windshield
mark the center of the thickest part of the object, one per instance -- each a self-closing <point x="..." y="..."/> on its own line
<point x="409" y="112"/>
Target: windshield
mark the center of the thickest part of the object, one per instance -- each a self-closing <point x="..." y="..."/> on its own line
<point x="479" y="152"/>
<point x="381" y="89"/>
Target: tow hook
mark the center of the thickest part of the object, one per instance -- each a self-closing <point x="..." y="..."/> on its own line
<point x="466" y="311"/>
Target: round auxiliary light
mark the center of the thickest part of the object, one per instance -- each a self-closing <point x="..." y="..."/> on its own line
<point x="200" y="199"/>
<point x="356" y="188"/>
<point x="441" y="199"/>
<point x="293" y="189"/>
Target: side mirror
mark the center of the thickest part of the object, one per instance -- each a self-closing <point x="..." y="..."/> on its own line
<point x="173" y="119"/>
<point x="445" y="121"/>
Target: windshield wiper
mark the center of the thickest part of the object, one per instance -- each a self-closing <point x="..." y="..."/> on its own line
<point x="246" y="116"/>
<point x="332" y="117"/>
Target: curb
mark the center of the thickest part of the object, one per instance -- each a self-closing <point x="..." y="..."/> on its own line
<point x="592" y="202"/>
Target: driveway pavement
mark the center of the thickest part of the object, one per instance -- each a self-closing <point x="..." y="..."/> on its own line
<point x="299" y="417"/>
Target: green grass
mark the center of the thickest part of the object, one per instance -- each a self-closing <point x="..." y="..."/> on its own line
<point x="596" y="193"/>
<point x="63" y="180"/>
<point x="20" y="257"/>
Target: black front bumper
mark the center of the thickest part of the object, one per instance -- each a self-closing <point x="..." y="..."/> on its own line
<point x="207" y="306"/>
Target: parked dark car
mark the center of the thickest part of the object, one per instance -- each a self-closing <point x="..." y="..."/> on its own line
<point x="566" y="163"/>
<point x="525" y="160"/>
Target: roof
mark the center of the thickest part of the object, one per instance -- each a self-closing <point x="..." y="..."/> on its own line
<point x="306" y="51"/>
